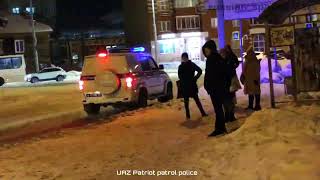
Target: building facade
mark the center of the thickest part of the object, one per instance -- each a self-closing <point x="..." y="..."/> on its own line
<point x="182" y="26"/>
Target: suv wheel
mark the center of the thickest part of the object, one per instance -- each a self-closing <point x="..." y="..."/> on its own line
<point x="59" y="78"/>
<point x="34" y="80"/>
<point x="1" y="81"/>
<point x="168" y="96"/>
<point x="92" y="109"/>
<point x="143" y="99"/>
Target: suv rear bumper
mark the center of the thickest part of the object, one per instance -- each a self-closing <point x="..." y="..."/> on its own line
<point x="108" y="99"/>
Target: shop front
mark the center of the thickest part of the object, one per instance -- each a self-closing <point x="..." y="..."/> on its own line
<point x="171" y="46"/>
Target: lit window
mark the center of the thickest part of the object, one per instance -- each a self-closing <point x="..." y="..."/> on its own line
<point x="314" y="17"/>
<point x="28" y="9"/>
<point x="165" y="26"/>
<point x="259" y="42"/>
<point x="16" y="10"/>
<point x="236" y="35"/>
<point x="185" y="3"/>
<point x="236" y="23"/>
<point x="163" y="5"/>
<point x="19" y="46"/>
<point x="188" y="22"/>
<point x="167" y="47"/>
<point x="214" y="22"/>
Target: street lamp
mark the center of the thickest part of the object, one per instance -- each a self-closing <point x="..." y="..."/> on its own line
<point x="155" y="30"/>
<point x="35" y="52"/>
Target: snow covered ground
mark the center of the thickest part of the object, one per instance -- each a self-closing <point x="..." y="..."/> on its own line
<point x="271" y="144"/>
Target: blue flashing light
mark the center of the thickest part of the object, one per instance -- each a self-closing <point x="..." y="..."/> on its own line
<point x="138" y="50"/>
<point x="309" y="25"/>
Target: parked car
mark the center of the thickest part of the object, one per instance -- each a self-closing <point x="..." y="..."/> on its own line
<point x="122" y="76"/>
<point x="47" y="74"/>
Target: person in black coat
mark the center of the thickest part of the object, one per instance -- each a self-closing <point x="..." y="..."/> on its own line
<point x="217" y="83"/>
<point x="232" y="64"/>
<point x="188" y="83"/>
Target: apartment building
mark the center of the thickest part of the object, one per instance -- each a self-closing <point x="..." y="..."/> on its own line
<point x="182" y="26"/>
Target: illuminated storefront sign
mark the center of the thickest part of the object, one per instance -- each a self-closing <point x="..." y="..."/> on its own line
<point x="240" y="9"/>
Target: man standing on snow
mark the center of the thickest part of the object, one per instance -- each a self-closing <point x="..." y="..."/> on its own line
<point x="217" y="83"/>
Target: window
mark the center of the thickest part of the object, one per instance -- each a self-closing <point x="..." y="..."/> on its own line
<point x="16" y="10"/>
<point x="28" y="9"/>
<point x="19" y="46"/>
<point x="188" y="22"/>
<point x="236" y="35"/>
<point x="314" y="17"/>
<point x="254" y="21"/>
<point x="165" y="26"/>
<point x="214" y="22"/>
<point x="259" y="42"/>
<point x="10" y="63"/>
<point x="163" y="5"/>
<point x="144" y="61"/>
<point x="293" y="19"/>
<point x="185" y="3"/>
<point x="167" y="47"/>
<point x="16" y="62"/>
<point x="235" y="23"/>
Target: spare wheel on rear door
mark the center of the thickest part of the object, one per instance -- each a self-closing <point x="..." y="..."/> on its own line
<point x="108" y="82"/>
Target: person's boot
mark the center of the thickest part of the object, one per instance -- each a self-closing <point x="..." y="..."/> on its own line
<point x="251" y="99"/>
<point x="258" y="106"/>
<point x="232" y="118"/>
<point x="217" y="133"/>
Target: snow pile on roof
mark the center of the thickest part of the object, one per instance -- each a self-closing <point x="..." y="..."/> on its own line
<point x="19" y="24"/>
<point x="272" y="144"/>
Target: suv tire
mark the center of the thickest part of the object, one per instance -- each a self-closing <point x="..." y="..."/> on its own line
<point x="1" y="81"/>
<point x="59" y="78"/>
<point x="143" y="99"/>
<point x="168" y="96"/>
<point x="34" y="80"/>
<point x="92" y="109"/>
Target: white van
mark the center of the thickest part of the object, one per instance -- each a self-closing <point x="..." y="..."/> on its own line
<point x="12" y="69"/>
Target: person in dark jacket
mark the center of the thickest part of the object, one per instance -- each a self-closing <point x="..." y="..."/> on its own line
<point x="232" y="64"/>
<point x="188" y="83"/>
<point x="217" y="83"/>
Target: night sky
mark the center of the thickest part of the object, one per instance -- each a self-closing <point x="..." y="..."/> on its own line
<point x="85" y="13"/>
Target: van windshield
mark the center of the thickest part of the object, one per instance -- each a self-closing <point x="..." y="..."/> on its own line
<point x="10" y="63"/>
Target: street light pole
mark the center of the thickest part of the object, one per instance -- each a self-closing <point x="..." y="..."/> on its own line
<point x="35" y="52"/>
<point x="155" y="31"/>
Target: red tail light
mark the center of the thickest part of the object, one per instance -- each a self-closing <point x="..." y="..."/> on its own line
<point x="81" y="85"/>
<point x="102" y="54"/>
<point x="129" y="81"/>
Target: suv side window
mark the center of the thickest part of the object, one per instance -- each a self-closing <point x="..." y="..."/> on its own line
<point x="144" y="62"/>
<point x="152" y="63"/>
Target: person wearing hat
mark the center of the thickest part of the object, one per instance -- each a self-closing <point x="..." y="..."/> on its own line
<point x="251" y="80"/>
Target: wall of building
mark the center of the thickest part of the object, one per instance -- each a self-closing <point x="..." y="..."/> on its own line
<point x="43" y="48"/>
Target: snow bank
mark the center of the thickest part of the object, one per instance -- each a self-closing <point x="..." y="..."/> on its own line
<point x="272" y="144"/>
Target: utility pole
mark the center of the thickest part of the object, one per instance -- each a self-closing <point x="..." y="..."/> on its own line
<point x="155" y="31"/>
<point x="35" y="51"/>
<point x="221" y="32"/>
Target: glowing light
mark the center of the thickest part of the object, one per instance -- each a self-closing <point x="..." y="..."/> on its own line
<point x="138" y="49"/>
<point x="129" y="81"/>
<point x="81" y="85"/>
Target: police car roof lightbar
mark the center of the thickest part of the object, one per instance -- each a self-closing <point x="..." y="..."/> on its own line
<point x="138" y="49"/>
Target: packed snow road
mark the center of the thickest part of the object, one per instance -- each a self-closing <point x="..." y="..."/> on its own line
<point x="272" y="144"/>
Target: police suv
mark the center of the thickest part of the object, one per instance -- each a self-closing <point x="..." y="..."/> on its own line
<point x="117" y="76"/>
